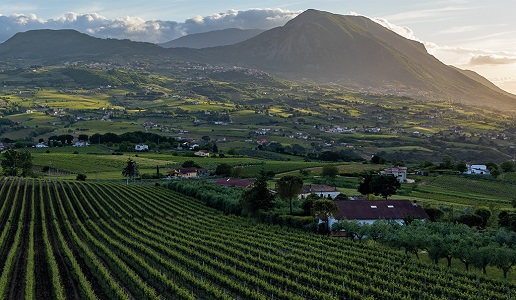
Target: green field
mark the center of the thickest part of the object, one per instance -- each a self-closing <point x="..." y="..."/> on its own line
<point x="67" y="239"/>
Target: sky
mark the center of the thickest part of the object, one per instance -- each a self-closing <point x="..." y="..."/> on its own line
<point x="477" y="35"/>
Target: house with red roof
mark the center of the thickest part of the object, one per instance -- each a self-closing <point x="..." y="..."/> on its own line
<point x="369" y="211"/>
<point x="242" y="183"/>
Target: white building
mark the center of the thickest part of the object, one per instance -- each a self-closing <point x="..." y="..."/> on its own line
<point x="399" y="172"/>
<point x="141" y="147"/>
<point x="320" y="190"/>
<point x="477" y="169"/>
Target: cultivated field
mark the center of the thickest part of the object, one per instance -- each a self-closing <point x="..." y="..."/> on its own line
<point x="75" y="240"/>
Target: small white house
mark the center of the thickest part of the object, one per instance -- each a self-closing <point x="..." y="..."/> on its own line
<point x="141" y="147"/>
<point x="477" y="169"/>
<point x="399" y="172"/>
<point x="202" y="153"/>
<point x="320" y="190"/>
<point x="81" y="144"/>
<point x="41" y="145"/>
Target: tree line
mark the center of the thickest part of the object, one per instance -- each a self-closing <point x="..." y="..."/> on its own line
<point x="441" y="240"/>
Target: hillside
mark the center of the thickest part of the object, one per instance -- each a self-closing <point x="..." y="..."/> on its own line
<point x="358" y="53"/>
<point x="87" y="241"/>
<point x="214" y="38"/>
<point x="57" y="46"/>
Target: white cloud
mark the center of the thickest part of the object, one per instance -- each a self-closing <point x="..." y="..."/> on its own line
<point x="149" y="31"/>
<point x="492" y="60"/>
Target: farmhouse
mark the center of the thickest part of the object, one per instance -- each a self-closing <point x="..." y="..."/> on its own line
<point x="202" y="153"/>
<point x="477" y="169"/>
<point x="41" y="145"/>
<point x="368" y="211"/>
<point x="81" y="144"/>
<point x="320" y="190"/>
<point x="187" y="172"/>
<point x="227" y="182"/>
<point x="141" y="147"/>
<point x="399" y="172"/>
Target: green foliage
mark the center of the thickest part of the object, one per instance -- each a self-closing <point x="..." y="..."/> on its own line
<point x="16" y="163"/>
<point x="288" y="187"/>
<point x="81" y="177"/>
<point x="131" y="169"/>
<point x="385" y="185"/>
<point x="308" y="204"/>
<point x="258" y="197"/>
<point x="224" y="169"/>
<point x="190" y="164"/>
<point x="330" y="171"/>
<point x="472" y="220"/>
<point x="435" y="214"/>
<point x="461" y="167"/>
<point x="508" y="166"/>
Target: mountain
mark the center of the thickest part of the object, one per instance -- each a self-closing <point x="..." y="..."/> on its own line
<point x="214" y="38"/>
<point x="355" y="52"/>
<point x="349" y="51"/>
<point x="50" y="46"/>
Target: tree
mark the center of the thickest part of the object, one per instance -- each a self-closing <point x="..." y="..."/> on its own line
<point x="190" y="164"/>
<point x="341" y="196"/>
<point x="258" y="197"/>
<point x="323" y="210"/>
<point x="447" y="162"/>
<point x="503" y="258"/>
<point x="81" y="177"/>
<point x="461" y="167"/>
<point x="484" y="213"/>
<point x="308" y="204"/>
<point x="471" y="220"/>
<point x="375" y="159"/>
<point x="385" y="185"/>
<point x="482" y="256"/>
<point x="330" y="171"/>
<point x="130" y="170"/>
<point x="435" y="214"/>
<point x="288" y="187"/>
<point x="224" y="169"/>
<point x="365" y="187"/>
<point x="508" y="166"/>
<point x="17" y="162"/>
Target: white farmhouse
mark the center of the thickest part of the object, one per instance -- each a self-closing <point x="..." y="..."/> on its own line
<point x="141" y="147"/>
<point x="399" y="172"/>
<point x="320" y="190"/>
<point x="477" y="169"/>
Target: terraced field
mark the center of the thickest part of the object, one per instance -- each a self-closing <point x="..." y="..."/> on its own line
<point x="76" y="240"/>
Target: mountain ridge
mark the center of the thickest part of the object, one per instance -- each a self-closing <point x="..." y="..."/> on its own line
<point x="349" y="51"/>
<point x="223" y="37"/>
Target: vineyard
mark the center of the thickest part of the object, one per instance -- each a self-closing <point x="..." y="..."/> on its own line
<point x="76" y="240"/>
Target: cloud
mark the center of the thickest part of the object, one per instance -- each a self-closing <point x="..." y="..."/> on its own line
<point x="492" y="60"/>
<point x="138" y="29"/>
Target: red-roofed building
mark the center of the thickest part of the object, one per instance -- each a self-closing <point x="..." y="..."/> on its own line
<point x="242" y="183"/>
<point x="368" y="211"/>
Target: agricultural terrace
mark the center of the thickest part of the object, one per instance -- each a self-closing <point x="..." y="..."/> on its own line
<point x="68" y="239"/>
